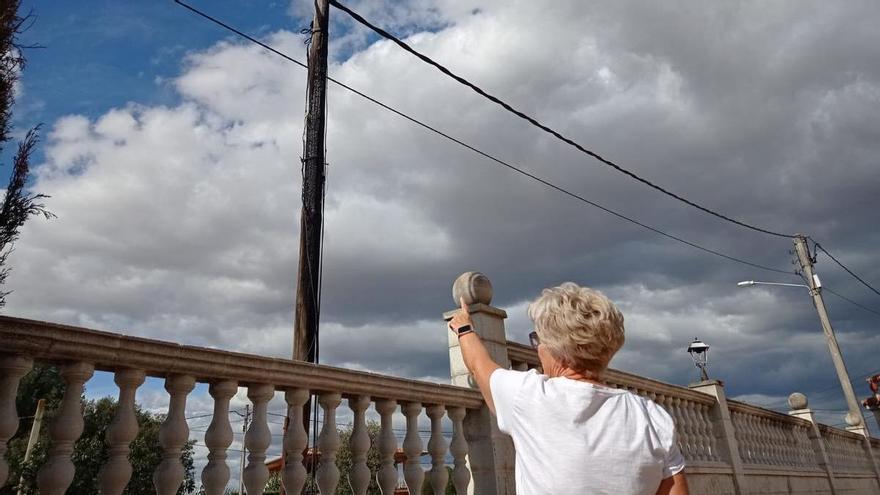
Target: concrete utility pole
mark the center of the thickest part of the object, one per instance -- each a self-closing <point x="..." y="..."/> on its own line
<point x="32" y="439"/>
<point x="855" y="418"/>
<point x="311" y="221"/>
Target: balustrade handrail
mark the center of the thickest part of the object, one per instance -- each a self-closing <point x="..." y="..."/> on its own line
<point x="108" y="351"/>
<point x="746" y="408"/>
<point x="827" y="429"/>
<point x="525" y="354"/>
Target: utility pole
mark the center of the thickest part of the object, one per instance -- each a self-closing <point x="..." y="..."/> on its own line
<point x="306" y="326"/>
<point x="855" y="418"/>
<point x="32" y="439"/>
<point x="305" y="332"/>
<point x="244" y="427"/>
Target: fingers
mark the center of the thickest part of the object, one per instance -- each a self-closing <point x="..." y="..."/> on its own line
<point x="464" y="306"/>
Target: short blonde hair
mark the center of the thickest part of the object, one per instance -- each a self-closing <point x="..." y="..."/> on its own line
<point x="580" y="326"/>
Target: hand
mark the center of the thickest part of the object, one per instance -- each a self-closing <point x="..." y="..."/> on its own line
<point x="462" y="318"/>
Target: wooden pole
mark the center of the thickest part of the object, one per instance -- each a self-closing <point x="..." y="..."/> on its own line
<point x="305" y="334"/>
<point x="311" y="221"/>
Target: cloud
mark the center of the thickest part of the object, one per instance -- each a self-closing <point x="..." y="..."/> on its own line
<point x="181" y="222"/>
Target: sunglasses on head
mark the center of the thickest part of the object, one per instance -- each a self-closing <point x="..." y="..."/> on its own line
<point x="534" y="340"/>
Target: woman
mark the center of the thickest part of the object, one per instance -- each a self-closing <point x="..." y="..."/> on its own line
<point x="573" y="434"/>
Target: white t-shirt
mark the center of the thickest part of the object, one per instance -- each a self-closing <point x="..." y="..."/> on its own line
<point x="573" y="437"/>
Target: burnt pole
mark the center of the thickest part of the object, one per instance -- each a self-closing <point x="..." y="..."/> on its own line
<point x="305" y="333"/>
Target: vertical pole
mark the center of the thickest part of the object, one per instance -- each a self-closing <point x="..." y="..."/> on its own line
<point x="806" y="262"/>
<point x="32" y="439"/>
<point x="244" y="427"/>
<point x="305" y="334"/>
<point x="306" y="325"/>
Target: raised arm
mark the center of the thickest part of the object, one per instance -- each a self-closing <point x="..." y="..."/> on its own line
<point x="474" y="353"/>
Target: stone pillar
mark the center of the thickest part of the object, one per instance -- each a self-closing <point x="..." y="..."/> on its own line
<point x="798" y="403"/>
<point x="491" y="455"/>
<point x="725" y="435"/>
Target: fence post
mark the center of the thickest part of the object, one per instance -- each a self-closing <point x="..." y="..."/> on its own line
<point x="491" y="455"/>
<point x="798" y="403"/>
<point x="723" y="429"/>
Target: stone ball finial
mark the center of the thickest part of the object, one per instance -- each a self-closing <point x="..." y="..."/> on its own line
<point x="797" y="400"/>
<point x="852" y="419"/>
<point x="474" y="287"/>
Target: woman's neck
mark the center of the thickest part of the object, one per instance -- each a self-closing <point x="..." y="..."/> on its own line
<point x="580" y="376"/>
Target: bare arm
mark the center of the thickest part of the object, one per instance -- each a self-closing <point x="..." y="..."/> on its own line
<point x="674" y="485"/>
<point x="475" y="355"/>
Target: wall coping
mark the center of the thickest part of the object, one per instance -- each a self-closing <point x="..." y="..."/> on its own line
<point x="525" y="354"/>
<point x="108" y="351"/>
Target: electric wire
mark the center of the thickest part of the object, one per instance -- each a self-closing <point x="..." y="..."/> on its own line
<point x="484" y="154"/>
<point x="860" y="279"/>
<point x="826" y="289"/>
<point x="385" y="34"/>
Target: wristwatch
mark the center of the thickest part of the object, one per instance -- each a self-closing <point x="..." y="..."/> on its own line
<point x="464" y="330"/>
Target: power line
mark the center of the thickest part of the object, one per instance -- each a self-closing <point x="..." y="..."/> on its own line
<point x="851" y="301"/>
<point x="385" y="34"/>
<point x="866" y="284"/>
<point x="472" y="148"/>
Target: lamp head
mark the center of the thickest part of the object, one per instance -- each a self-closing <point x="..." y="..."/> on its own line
<point x="746" y="283"/>
<point x="699" y="352"/>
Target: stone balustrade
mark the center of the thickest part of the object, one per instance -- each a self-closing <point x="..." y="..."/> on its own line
<point x="730" y="447"/>
<point x="79" y="352"/>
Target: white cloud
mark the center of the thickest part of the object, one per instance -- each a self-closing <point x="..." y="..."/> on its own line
<point x="181" y="222"/>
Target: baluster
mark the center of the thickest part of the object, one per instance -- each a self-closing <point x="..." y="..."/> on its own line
<point x="218" y="438"/>
<point x="461" y="476"/>
<point x="328" y="474"/>
<point x="412" y="447"/>
<point x="690" y="426"/>
<point x="749" y="436"/>
<point x="755" y="439"/>
<point x="116" y="472"/>
<point x="387" y="445"/>
<point x="791" y="452"/>
<point x="706" y="430"/>
<point x="764" y="436"/>
<point x="12" y="368"/>
<point x="805" y="447"/>
<point x="56" y="475"/>
<point x="257" y="439"/>
<point x="173" y="436"/>
<point x="710" y="429"/>
<point x="295" y="441"/>
<point x="360" y="445"/>
<point x="695" y="424"/>
<point x="772" y="439"/>
<point x="739" y="434"/>
<point x="779" y="440"/>
<point x="683" y="437"/>
<point x="437" y="449"/>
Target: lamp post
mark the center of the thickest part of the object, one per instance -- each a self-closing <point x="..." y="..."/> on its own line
<point x="699" y="352"/>
<point x="854" y="418"/>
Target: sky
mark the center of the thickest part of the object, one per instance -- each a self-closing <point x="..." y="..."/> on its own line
<point x="171" y="154"/>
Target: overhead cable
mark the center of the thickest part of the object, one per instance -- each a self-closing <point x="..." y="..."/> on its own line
<point x="826" y="289"/>
<point x="385" y="34"/>
<point x="860" y="279"/>
<point x="484" y="154"/>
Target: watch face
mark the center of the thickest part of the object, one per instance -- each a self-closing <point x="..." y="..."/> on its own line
<point x="465" y="329"/>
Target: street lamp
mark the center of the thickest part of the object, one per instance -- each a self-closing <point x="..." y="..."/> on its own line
<point x="699" y="352"/>
<point x="854" y="418"/>
<point x="750" y="283"/>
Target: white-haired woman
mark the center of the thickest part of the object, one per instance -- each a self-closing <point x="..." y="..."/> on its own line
<point x="573" y="434"/>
